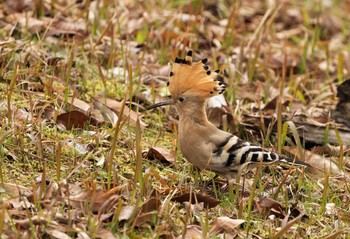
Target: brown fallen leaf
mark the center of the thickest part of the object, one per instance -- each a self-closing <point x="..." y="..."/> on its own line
<point x="117" y="106"/>
<point x="22" y="115"/>
<point x="75" y="144"/>
<point x="15" y="189"/>
<point x="108" y="115"/>
<point x="32" y="24"/>
<point x="53" y="60"/>
<point x="106" y="217"/>
<point x="331" y="150"/>
<point x="224" y="225"/>
<point x="99" y="200"/>
<point x="252" y="91"/>
<point x="35" y="220"/>
<point x="105" y="234"/>
<point x="17" y="6"/>
<point x="150" y="205"/>
<point x="109" y="205"/>
<point x="79" y="104"/>
<point x="208" y="201"/>
<point x="57" y="234"/>
<point x="143" y="218"/>
<point x="149" y="210"/>
<point x="14" y="213"/>
<point x="271" y="105"/>
<point x="192" y="232"/>
<point x="19" y="203"/>
<point x="320" y="165"/>
<point x="161" y="154"/>
<point x="126" y="213"/>
<point x="91" y="110"/>
<point x="63" y="27"/>
<point x="278" y="60"/>
<point x="268" y="206"/>
<point x="51" y="190"/>
<point x="163" y="229"/>
<point x="74" y="119"/>
<point x="288" y="33"/>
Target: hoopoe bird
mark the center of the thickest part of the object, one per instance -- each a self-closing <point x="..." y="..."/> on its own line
<point x="191" y="84"/>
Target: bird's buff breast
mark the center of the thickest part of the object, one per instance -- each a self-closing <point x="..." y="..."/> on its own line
<point x="194" y="150"/>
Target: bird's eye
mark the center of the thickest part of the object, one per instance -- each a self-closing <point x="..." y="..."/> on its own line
<point x="181" y="99"/>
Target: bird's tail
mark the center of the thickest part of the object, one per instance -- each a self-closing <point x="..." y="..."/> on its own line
<point x="290" y="161"/>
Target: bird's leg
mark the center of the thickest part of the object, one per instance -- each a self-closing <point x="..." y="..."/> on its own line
<point x="230" y="183"/>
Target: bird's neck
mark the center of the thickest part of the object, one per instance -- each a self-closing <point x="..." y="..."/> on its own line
<point x="194" y="117"/>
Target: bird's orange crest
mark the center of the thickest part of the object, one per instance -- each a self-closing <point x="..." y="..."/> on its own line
<point x="194" y="78"/>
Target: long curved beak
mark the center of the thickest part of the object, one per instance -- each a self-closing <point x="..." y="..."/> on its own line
<point x="167" y="102"/>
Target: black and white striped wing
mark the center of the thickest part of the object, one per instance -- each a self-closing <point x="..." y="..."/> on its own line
<point x="234" y="152"/>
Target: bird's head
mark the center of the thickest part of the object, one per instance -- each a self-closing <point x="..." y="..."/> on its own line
<point x="191" y="84"/>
